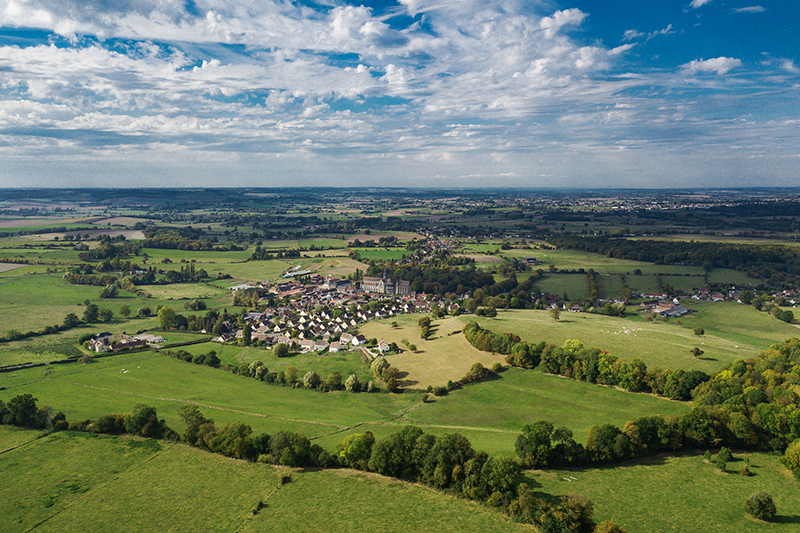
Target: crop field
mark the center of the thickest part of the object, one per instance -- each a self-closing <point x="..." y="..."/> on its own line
<point x="732" y="331"/>
<point x="664" y="493"/>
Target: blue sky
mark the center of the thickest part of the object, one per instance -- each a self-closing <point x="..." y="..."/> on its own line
<point x="420" y="93"/>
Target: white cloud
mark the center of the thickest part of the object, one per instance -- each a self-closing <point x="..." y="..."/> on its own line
<point x="551" y="25"/>
<point x="630" y="35"/>
<point x="318" y="87"/>
<point x="719" y="65"/>
<point x="699" y="3"/>
<point x="750" y="9"/>
<point x="789" y="66"/>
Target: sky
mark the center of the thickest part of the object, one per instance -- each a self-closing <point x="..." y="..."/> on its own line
<point x="399" y="93"/>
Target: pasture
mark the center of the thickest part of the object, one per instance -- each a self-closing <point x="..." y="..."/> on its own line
<point x="732" y="331"/>
<point x="83" y="482"/>
<point x="678" y="493"/>
<point x="345" y="362"/>
<point x="491" y="414"/>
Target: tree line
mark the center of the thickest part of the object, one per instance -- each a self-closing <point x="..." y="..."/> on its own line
<point x="777" y="265"/>
<point x="752" y="403"/>
<point x="445" y="462"/>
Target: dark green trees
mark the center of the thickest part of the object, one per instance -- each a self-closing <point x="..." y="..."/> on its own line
<point x="761" y="505"/>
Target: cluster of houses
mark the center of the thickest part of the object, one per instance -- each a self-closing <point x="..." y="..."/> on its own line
<point x="319" y="313"/>
<point x="107" y="342"/>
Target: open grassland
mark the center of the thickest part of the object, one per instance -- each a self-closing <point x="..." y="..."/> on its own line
<point x="115" y="384"/>
<point x="82" y="482"/>
<point x="345" y="500"/>
<point x="517" y="397"/>
<point x="11" y="437"/>
<point x="42" y="255"/>
<point x="30" y="270"/>
<point x="490" y="414"/>
<point x="732" y="331"/>
<point x="345" y="362"/>
<point x="665" y="494"/>
<point x="441" y="358"/>
<point x="33" y="302"/>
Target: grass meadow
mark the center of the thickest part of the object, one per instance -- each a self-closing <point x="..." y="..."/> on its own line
<point x="681" y="493"/>
<point x="348" y="500"/>
<point x="346" y="362"/>
<point x="115" y="384"/>
<point x="519" y="397"/>
<point x="732" y="331"/>
<point x="82" y="482"/>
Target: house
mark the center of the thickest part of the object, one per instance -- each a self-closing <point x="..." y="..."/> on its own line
<point x="320" y="346"/>
<point x="384" y="347"/>
<point x="359" y="340"/>
<point x="127" y="345"/>
<point x="98" y="346"/>
<point x="346" y="338"/>
<point x="307" y="345"/>
<point x="333" y="347"/>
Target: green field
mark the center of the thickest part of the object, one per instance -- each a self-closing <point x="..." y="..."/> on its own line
<point x="114" y="384"/>
<point x="483" y="412"/>
<point x="664" y="493"/>
<point x="345" y="362"/>
<point x="733" y="331"/>
<point x="519" y="397"/>
<point x="83" y="482"/>
<point x="381" y="254"/>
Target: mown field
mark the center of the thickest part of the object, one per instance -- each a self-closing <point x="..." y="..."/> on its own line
<point x="442" y="357"/>
<point x="664" y="493"/>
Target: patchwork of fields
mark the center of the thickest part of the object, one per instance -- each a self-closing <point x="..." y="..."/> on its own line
<point x="73" y="481"/>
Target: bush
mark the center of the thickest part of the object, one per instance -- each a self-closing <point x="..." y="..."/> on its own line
<point x="760" y="505"/>
<point x="791" y="458"/>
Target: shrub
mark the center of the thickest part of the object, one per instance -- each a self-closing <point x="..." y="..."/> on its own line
<point x="760" y="505"/>
<point x="791" y="458"/>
